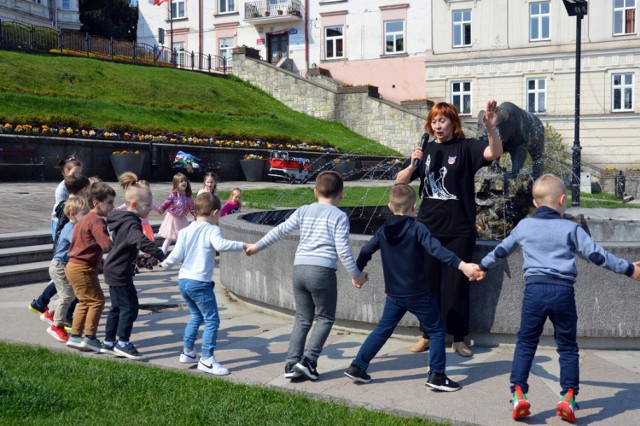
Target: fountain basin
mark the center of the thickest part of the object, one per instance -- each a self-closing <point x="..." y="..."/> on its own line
<point x="607" y="303"/>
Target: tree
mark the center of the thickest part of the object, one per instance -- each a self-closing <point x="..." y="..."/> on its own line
<point x="109" y="18"/>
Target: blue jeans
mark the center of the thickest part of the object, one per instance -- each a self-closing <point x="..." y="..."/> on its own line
<point x="315" y="292"/>
<point x="556" y="302"/>
<point x="202" y="304"/>
<point x="424" y="307"/>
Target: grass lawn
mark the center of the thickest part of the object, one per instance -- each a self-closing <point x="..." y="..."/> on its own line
<point x="38" y="386"/>
<point x="89" y="93"/>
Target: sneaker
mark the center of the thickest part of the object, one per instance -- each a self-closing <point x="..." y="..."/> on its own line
<point x="212" y="366"/>
<point x="91" y="345"/>
<point x="462" y="349"/>
<point x="520" y="404"/>
<point x="58" y="333"/>
<point x="75" y="342"/>
<point x="127" y="351"/>
<point x="357" y="374"/>
<point x="567" y="407"/>
<point x="35" y="309"/>
<point x="290" y="372"/>
<point x="107" y="348"/>
<point x="441" y="382"/>
<point x="47" y="317"/>
<point x="421" y="345"/>
<point x="67" y="327"/>
<point x="308" y="368"/>
<point x="189" y="358"/>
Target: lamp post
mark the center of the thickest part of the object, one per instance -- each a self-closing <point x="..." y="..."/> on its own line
<point x="577" y="8"/>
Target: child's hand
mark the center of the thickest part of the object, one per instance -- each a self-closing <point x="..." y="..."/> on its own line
<point x="470" y="270"/>
<point x="360" y="279"/>
<point x="480" y="274"/>
<point x="251" y="249"/>
<point x="636" y="271"/>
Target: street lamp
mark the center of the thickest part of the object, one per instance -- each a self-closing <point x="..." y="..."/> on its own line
<point x="577" y="8"/>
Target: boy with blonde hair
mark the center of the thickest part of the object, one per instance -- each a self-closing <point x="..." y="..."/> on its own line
<point x="402" y="241"/>
<point x="196" y="249"/>
<point x="324" y="237"/>
<point x="75" y="208"/>
<point x="549" y="244"/>
<point x="119" y="268"/>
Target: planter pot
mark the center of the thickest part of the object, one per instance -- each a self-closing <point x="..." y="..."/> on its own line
<point x="252" y="169"/>
<point x="128" y="163"/>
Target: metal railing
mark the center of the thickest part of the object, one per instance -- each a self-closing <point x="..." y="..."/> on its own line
<point x="15" y="35"/>
<point x="265" y="8"/>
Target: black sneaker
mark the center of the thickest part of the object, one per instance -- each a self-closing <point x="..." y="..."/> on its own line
<point x="108" y="348"/>
<point x="128" y="351"/>
<point x="308" y="368"/>
<point x="35" y="308"/>
<point x="290" y="372"/>
<point x="441" y="382"/>
<point x="357" y="374"/>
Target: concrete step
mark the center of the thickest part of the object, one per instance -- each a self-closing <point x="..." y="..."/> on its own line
<point x="25" y="254"/>
<point x="23" y="239"/>
<point x="25" y="273"/>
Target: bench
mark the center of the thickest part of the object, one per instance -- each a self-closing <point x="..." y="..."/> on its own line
<point x="24" y="158"/>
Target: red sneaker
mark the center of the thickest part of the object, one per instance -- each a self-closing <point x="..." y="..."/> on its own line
<point x="520" y="404"/>
<point x="47" y="316"/>
<point x="567" y="407"/>
<point x="58" y="333"/>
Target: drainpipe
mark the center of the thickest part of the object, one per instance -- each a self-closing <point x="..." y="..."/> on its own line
<point x="200" y="48"/>
<point x="306" y="34"/>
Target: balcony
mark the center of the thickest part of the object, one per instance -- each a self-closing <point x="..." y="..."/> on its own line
<point x="273" y="11"/>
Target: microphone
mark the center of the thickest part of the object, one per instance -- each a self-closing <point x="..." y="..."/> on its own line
<point x="423" y="144"/>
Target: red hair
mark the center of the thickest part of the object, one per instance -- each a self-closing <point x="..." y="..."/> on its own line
<point x="446" y="110"/>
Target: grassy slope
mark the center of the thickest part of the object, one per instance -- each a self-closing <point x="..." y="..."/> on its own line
<point x="91" y="93"/>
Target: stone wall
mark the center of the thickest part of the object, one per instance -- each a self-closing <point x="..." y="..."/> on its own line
<point x="369" y="116"/>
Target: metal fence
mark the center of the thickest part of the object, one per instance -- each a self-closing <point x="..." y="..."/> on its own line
<point x="15" y="35"/>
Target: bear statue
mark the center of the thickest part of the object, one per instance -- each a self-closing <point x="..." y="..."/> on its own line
<point x="521" y="132"/>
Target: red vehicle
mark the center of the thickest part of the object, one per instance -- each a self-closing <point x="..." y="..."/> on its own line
<point x="290" y="169"/>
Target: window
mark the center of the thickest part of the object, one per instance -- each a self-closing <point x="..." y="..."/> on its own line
<point x="177" y="9"/>
<point x="536" y="95"/>
<point x="624" y="17"/>
<point x="394" y="36"/>
<point x="622" y="88"/>
<point x="461" y="96"/>
<point x="178" y="48"/>
<point x="539" y="21"/>
<point x="334" y="42"/>
<point x="225" y="48"/>
<point x="226" y="6"/>
<point x="461" y="28"/>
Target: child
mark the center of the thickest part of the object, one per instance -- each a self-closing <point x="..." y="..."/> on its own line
<point x="177" y="205"/>
<point x="90" y="241"/>
<point x="126" y="179"/>
<point x="75" y="185"/>
<point x="69" y="166"/>
<point x="324" y="237"/>
<point x="233" y="204"/>
<point x="128" y="239"/>
<point x="549" y="244"/>
<point x="75" y="209"/>
<point x="402" y="241"/>
<point x="196" y="249"/>
<point x="210" y="183"/>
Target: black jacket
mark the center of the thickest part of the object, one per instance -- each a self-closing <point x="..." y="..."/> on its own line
<point x="402" y="241"/>
<point x="128" y="240"/>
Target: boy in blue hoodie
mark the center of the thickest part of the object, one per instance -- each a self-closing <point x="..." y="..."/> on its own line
<point x="549" y="244"/>
<point x="402" y="242"/>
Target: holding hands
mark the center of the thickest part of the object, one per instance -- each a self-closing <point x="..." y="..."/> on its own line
<point x="472" y="271"/>
<point x="360" y="279"/>
<point x="251" y="249"/>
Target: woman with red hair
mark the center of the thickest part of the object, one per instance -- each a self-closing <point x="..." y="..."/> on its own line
<point x="446" y="167"/>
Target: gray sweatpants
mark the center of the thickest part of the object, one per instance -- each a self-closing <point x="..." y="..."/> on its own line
<point x="315" y="291"/>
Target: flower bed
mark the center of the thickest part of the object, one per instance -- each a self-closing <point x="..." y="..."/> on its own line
<point x="11" y="128"/>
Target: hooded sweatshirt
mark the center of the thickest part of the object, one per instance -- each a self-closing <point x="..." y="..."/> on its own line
<point x="402" y="241"/>
<point x="128" y="241"/>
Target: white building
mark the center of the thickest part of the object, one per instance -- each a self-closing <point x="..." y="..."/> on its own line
<point x="57" y="14"/>
<point x="461" y="51"/>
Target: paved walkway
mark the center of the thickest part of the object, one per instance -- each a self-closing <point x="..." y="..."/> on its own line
<point x="252" y="343"/>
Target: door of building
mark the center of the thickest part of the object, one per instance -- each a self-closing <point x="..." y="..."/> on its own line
<point x="278" y="47"/>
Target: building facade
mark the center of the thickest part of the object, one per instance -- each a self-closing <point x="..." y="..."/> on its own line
<point x="524" y="52"/>
<point x="57" y="14"/>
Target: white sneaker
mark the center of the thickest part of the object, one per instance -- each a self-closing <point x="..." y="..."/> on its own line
<point x="212" y="366"/>
<point x="189" y="358"/>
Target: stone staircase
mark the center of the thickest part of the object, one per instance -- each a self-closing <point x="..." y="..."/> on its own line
<point x="25" y="257"/>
